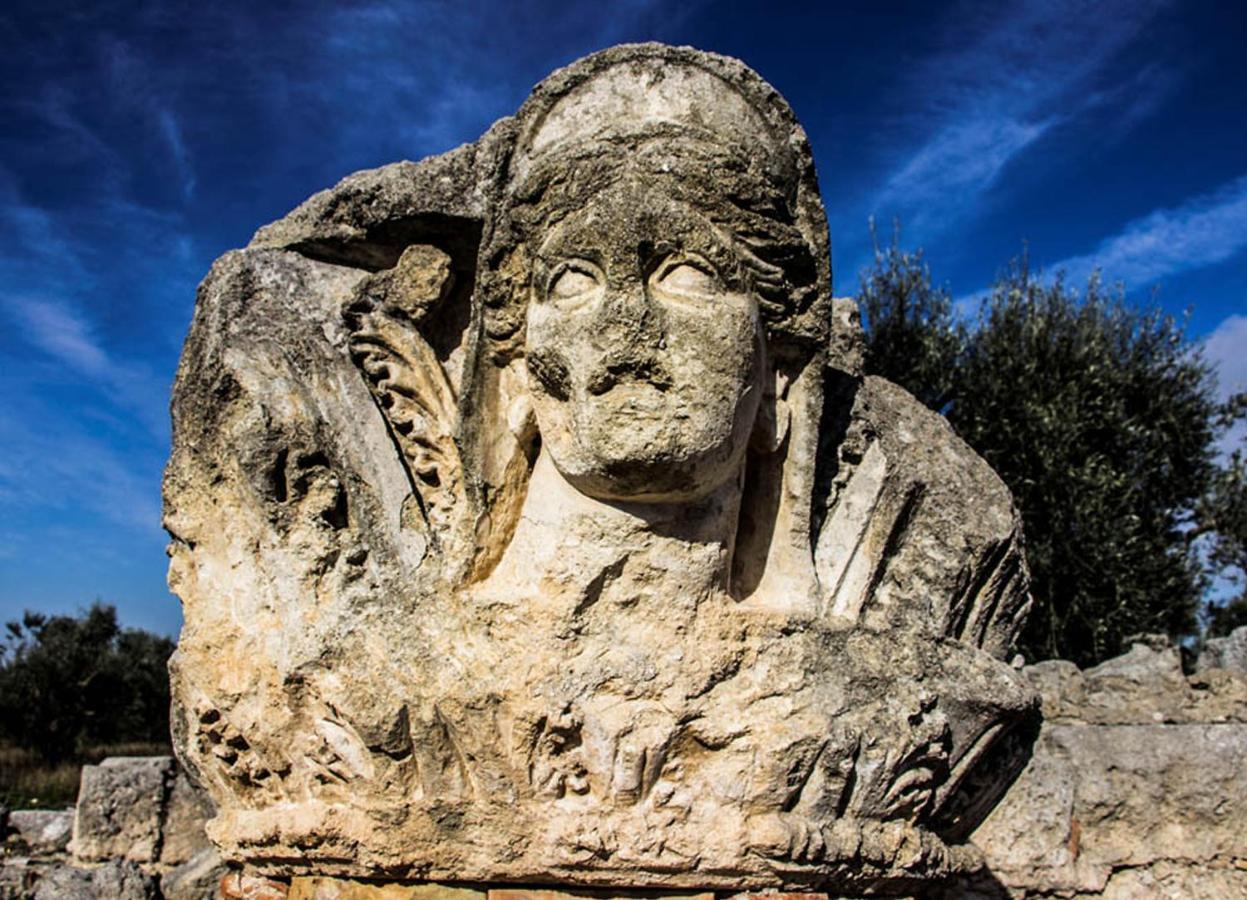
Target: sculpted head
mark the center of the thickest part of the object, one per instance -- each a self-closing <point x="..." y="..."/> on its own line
<point x="656" y="212"/>
<point x="593" y="524"/>
<point x="644" y="347"/>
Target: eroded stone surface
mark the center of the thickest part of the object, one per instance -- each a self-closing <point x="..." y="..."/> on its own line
<point x="1144" y="686"/>
<point x="534" y="523"/>
<point x="244" y="886"/>
<point x="1130" y="793"/>
<point x="1229" y="652"/>
<point x="553" y="894"/>
<point x="121" y="804"/>
<point x="40" y="832"/>
<point x="137" y="831"/>
<point x="117" y="880"/>
<point x="198" y="878"/>
<point x="1100" y="798"/>
<point x="186" y="811"/>
<point x="321" y="888"/>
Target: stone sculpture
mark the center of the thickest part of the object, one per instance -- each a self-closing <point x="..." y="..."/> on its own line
<point x="534" y="522"/>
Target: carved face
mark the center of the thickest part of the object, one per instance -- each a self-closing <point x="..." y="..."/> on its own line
<point x="644" y="348"/>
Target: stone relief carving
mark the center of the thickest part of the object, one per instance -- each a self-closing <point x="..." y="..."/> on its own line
<point x="533" y="521"/>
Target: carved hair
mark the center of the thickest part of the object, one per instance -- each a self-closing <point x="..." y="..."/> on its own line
<point x="737" y="155"/>
<point x="772" y="258"/>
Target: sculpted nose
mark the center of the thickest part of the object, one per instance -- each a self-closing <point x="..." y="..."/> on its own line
<point x="626" y="314"/>
<point x="630" y="337"/>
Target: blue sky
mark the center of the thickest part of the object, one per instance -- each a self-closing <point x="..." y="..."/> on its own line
<point x="140" y="141"/>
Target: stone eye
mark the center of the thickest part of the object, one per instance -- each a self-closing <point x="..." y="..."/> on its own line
<point x="573" y="283"/>
<point x="687" y="279"/>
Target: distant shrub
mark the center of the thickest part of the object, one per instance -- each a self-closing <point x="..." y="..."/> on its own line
<point x="66" y="682"/>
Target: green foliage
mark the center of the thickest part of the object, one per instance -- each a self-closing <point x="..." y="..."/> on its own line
<point x="1099" y="416"/>
<point x="67" y="681"/>
<point x="913" y="338"/>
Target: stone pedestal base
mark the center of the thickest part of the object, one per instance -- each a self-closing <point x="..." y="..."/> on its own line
<point x="241" y="886"/>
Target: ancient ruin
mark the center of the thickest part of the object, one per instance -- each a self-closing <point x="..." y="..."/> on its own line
<point x="1137" y="788"/>
<point x="534" y="523"/>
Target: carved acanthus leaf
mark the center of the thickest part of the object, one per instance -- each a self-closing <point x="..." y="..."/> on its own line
<point x="410" y="386"/>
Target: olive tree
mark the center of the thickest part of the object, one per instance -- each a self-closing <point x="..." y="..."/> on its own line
<point x="1100" y="416"/>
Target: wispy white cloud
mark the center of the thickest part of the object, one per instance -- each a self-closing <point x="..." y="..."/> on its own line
<point x="956" y="164"/>
<point x="58" y="462"/>
<point x="172" y="132"/>
<point x="59" y="284"/>
<point x="106" y="107"/>
<point x="1226" y="349"/>
<point x="1128" y="102"/>
<point x="82" y="428"/>
<point x="54" y="107"/>
<point x="1202" y="231"/>
<point x="63" y="333"/>
<point x="1009" y="75"/>
<point x="33" y="242"/>
<point x="59" y="341"/>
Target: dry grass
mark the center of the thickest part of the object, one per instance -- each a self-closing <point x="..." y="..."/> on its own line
<point x="27" y="782"/>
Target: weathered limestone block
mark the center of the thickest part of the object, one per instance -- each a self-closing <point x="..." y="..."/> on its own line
<point x="1144" y="686"/>
<point x="1208" y="880"/>
<point x="116" y="880"/>
<point x="1100" y="798"/>
<point x="186" y="812"/>
<point x="534" y="523"/>
<point x="17" y="878"/>
<point x="1128" y="794"/>
<point x="40" y="832"/>
<point x="238" y="885"/>
<point x="1229" y="652"/>
<point x="198" y="878"/>
<point x="550" y="894"/>
<point x="121" y="804"/>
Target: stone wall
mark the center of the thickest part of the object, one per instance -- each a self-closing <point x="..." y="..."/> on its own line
<point x="1137" y="787"/>
<point x="137" y="833"/>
